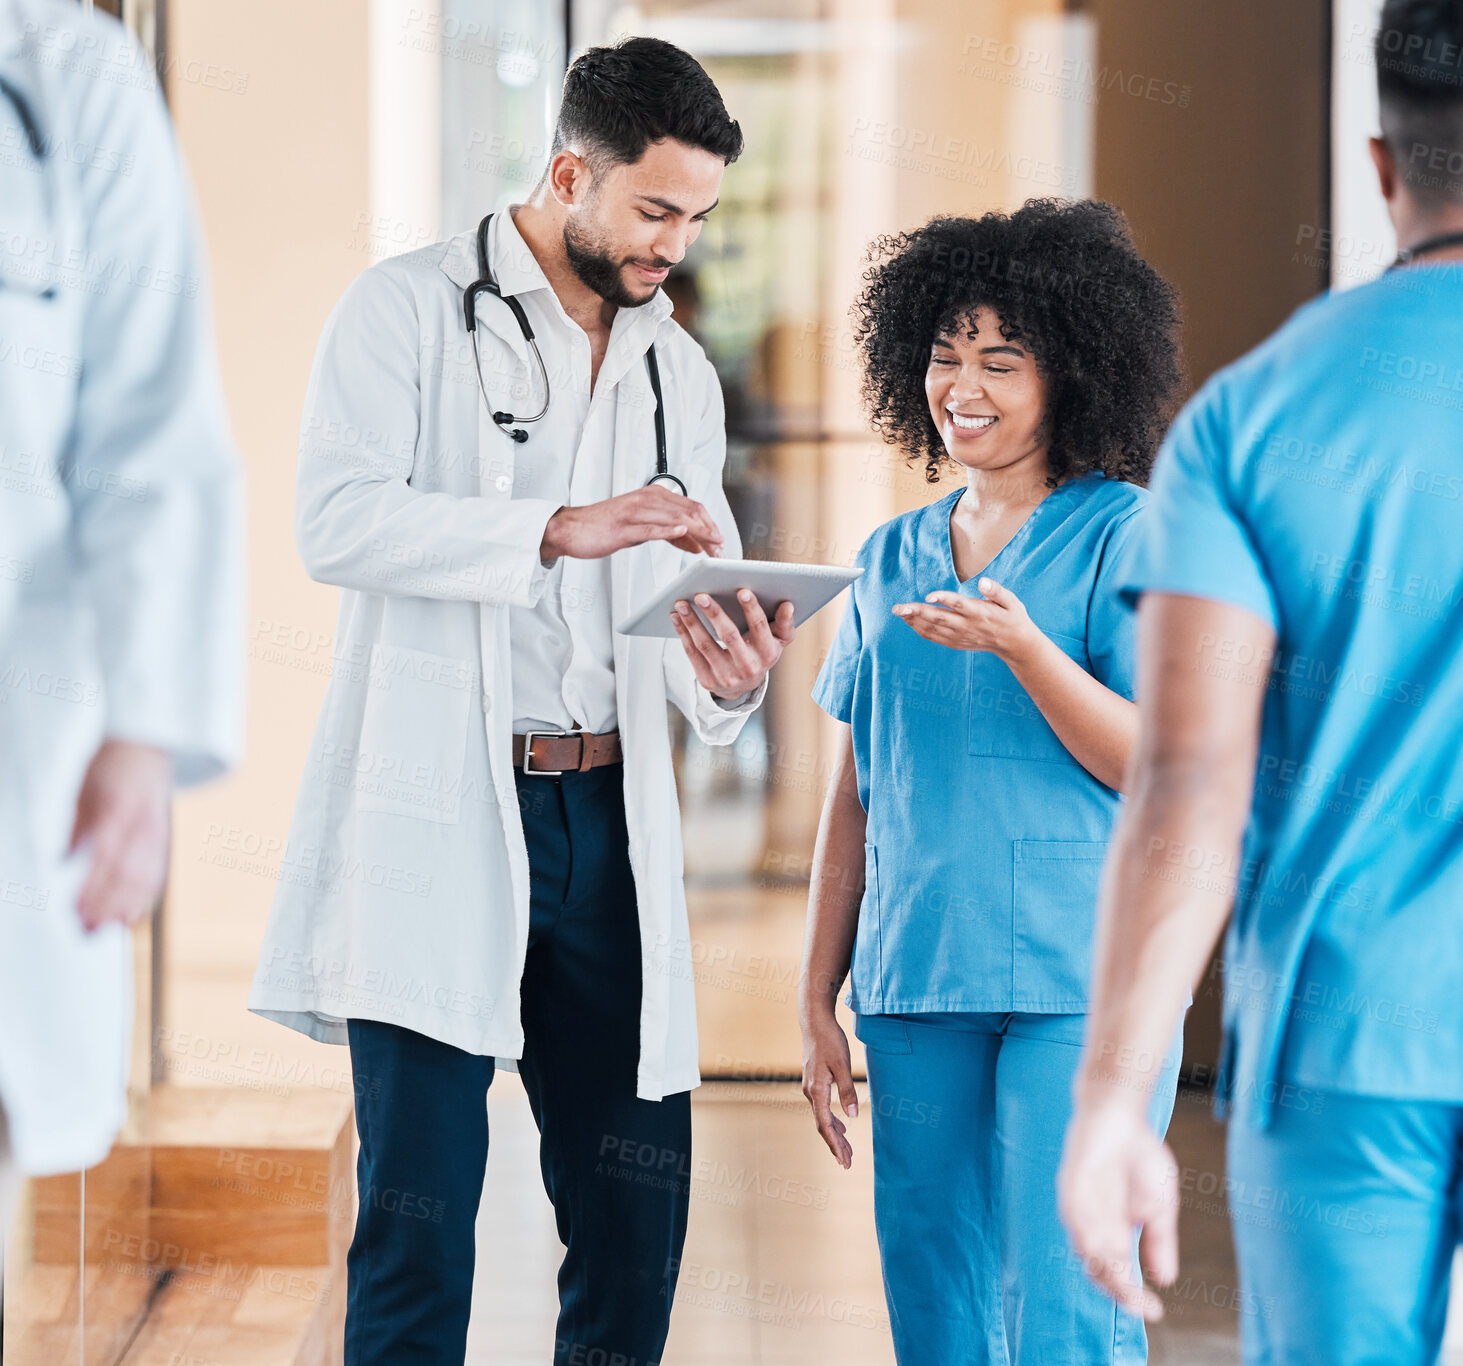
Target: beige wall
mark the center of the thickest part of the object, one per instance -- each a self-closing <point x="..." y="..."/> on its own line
<point x="1219" y="192"/>
<point x="278" y="155"/>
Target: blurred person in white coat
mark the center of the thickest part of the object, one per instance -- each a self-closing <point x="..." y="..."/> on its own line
<point x="485" y="860"/>
<point x="120" y="610"/>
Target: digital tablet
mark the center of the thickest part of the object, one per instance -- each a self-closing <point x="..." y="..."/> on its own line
<point x="807" y="586"/>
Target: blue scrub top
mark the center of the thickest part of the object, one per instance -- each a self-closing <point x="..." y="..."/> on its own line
<point x="985" y="838"/>
<point x="1318" y="483"/>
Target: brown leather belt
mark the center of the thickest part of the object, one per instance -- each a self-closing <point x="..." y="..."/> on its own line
<point x="547" y="753"/>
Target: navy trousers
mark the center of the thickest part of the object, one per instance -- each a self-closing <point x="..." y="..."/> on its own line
<point x="421" y="1112"/>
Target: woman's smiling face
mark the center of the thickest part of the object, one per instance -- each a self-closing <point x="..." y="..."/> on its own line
<point x="986" y="398"/>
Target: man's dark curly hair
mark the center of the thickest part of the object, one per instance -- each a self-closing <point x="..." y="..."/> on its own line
<point x="1066" y="283"/>
<point x="618" y="100"/>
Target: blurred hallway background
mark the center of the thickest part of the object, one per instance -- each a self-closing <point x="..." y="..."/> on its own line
<point x="325" y="135"/>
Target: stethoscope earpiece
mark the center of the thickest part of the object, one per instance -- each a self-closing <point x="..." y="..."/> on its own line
<point x="486" y="281"/>
<point x="506" y="420"/>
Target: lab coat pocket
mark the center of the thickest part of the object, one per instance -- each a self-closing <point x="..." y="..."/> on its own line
<point x="414" y="733"/>
<point x="39" y="340"/>
<point x="1054" y="909"/>
<point x="1004" y="722"/>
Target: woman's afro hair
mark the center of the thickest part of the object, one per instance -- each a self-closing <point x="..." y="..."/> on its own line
<point x="1066" y="283"/>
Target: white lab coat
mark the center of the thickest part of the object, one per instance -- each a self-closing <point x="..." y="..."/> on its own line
<point x="404" y="891"/>
<point x="120" y="537"/>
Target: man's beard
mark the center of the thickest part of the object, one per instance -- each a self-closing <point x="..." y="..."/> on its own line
<point x="600" y="269"/>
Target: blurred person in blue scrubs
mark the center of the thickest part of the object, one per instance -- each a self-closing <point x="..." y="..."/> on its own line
<point x="120" y="572"/>
<point x="1298" y="772"/>
<point x="983" y="676"/>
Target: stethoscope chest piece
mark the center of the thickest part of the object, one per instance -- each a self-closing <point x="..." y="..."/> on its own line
<point x="666" y="477"/>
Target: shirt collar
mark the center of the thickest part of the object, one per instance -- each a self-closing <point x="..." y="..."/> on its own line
<point x="516" y="267"/>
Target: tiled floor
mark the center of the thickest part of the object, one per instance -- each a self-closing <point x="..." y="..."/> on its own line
<point x="780" y="1264"/>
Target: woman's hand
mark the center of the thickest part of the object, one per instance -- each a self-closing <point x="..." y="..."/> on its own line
<point x="826" y="1064"/>
<point x="996" y="622"/>
<point x="1097" y="726"/>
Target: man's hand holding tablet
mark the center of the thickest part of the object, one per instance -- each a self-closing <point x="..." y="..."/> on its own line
<point x="702" y="604"/>
<point x="698" y="606"/>
<point x="734" y="662"/>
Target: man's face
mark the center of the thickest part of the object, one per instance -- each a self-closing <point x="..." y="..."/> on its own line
<point x="635" y="221"/>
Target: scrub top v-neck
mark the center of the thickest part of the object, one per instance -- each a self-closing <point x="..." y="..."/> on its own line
<point x="951" y="504"/>
<point x="985" y="837"/>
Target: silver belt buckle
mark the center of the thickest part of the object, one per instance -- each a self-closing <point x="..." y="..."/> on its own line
<point x="528" y="739"/>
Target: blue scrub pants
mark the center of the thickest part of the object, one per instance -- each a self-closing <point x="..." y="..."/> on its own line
<point x="969" y="1115"/>
<point x="1346" y="1212"/>
<point x="421" y="1111"/>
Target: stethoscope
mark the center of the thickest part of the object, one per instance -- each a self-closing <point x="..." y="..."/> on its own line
<point x="27" y="119"/>
<point x="1409" y="254"/>
<point x="46" y="288"/>
<point x="504" y="420"/>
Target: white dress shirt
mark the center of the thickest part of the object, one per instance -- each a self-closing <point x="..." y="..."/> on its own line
<point x="562" y="648"/>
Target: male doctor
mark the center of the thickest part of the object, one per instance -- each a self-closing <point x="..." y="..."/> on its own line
<point x="486" y="854"/>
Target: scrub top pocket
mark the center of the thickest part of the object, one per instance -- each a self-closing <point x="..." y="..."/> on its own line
<point x="1003" y="721"/>
<point x="1054" y="908"/>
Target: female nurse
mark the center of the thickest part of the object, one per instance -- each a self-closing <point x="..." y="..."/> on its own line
<point x="983" y="676"/>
